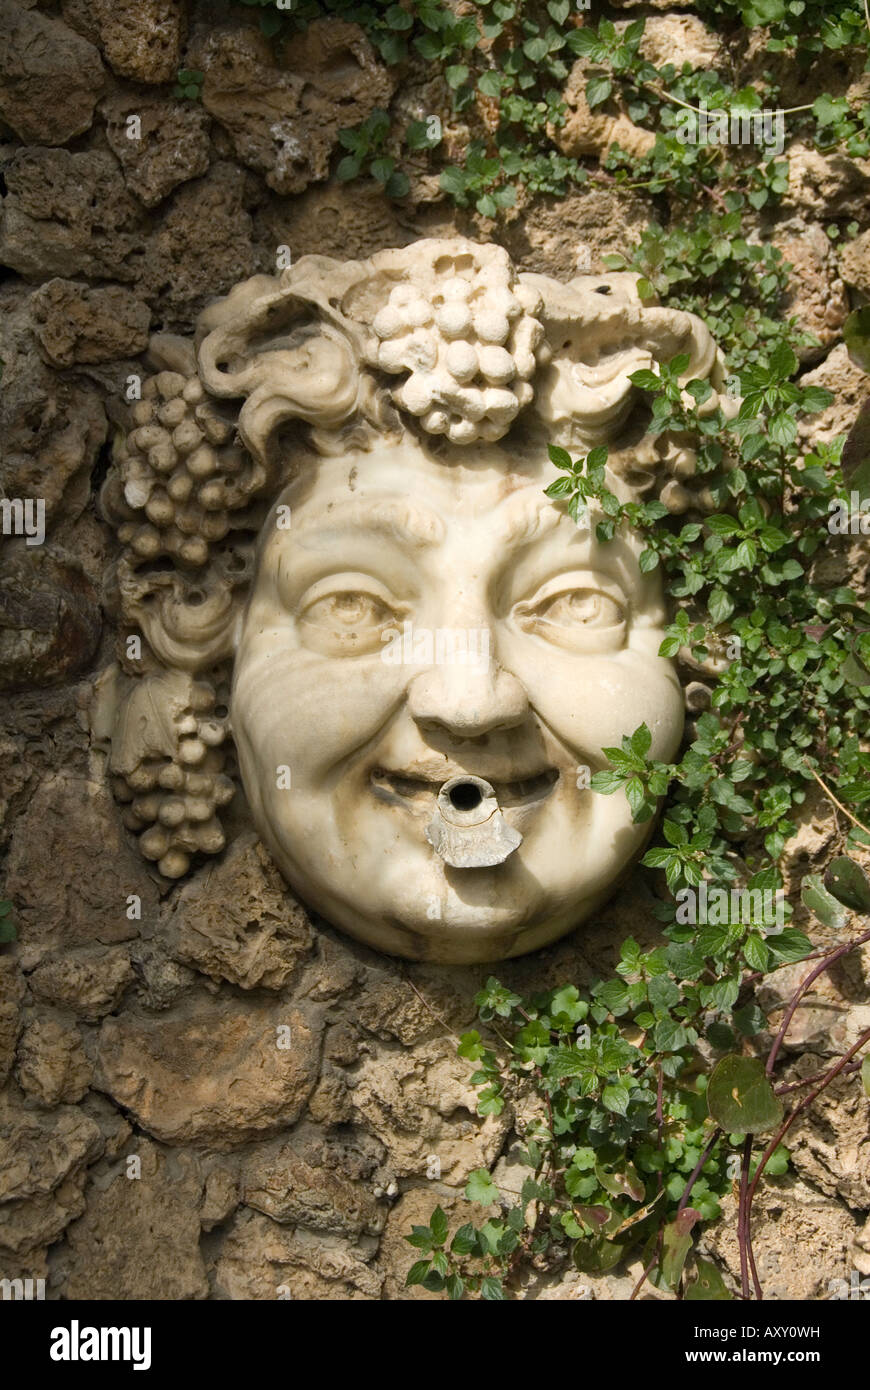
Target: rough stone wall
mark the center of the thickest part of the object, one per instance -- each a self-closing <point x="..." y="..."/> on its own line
<point x="269" y="1170"/>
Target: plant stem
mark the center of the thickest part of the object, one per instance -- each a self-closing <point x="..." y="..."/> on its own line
<point x="827" y="790"/>
<point x="696" y="1171"/>
<point x="820" y="969"/>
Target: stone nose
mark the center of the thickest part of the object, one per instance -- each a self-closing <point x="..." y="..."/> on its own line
<point x="467" y="700"/>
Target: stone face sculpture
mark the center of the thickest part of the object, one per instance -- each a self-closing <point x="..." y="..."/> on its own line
<point x="337" y="548"/>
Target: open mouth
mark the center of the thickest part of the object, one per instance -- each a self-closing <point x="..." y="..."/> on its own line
<point x="422" y="791"/>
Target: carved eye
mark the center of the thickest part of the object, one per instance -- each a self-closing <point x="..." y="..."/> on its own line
<point x="347" y="610"/>
<point x="582" y="619"/>
<point x="346" y="622"/>
<point x="582" y="607"/>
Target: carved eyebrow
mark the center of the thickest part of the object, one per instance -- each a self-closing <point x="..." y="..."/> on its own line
<point x="530" y="521"/>
<point x="395" y="517"/>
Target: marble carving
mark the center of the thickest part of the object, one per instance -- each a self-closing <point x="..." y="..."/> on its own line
<point x="353" y="596"/>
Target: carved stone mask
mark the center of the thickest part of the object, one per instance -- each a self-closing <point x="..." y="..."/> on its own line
<point x="426" y="654"/>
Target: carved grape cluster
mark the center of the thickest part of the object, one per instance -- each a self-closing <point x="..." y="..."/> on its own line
<point x="181" y="467"/>
<point x="171" y="803"/>
<point x="469" y="345"/>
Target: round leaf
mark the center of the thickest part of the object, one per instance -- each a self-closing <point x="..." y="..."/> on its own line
<point x="740" y="1097"/>
<point x="848" y="883"/>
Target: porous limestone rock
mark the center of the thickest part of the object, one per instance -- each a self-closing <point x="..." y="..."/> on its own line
<point x="51" y="1065"/>
<point x="592" y="132"/>
<point x="69" y="214"/>
<point x="12" y="992"/>
<point x="75" y="323"/>
<point x="261" y="1260"/>
<point x="826" y="185"/>
<point x="71" y="873"/>
<point x="788" y="1215"/>
<point x="52" y="427"/>
<point x="284" y="120"/>
<point x="850" y="387"/>
<point x="43" y="1163"/>
<point x="89" y="983"/>
<point x="568" y="236"/>
<point x="419" y="1104"/>
<point x="322" y="1184"/>
<point x="140" y="1233"/>
<point x="679" y="39"/>
<point x="414" y="1208"/>
<point x="50" y="618"/>
<point x="50" y="77"/>
<point x="213" y="1072"/>
<point x="855" y="262"/>
<point x="238" y="922"/>
<point x="171" y="143"/>
<point x="831" y="1141"/>
<point x="816" y="296"/>
<point x="141" y="39"/>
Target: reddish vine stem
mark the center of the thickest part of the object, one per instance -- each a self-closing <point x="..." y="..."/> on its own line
<point x="808" y="1080"/>
<point x="741" y="1216"/>
<point x="696" y="1171"/>
<point x="799" y="993"/>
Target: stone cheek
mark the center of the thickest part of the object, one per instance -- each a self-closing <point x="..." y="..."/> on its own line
<point x="216" y="1072"/>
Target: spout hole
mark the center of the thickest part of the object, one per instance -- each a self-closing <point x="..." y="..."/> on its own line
<point x="465" y="796"/>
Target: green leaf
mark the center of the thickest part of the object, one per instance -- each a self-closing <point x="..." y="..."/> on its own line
<point x="438" y="1226"/>
<point x="815" y="896"/>
<point x="491" y="1289"/>
<point x="615" y="1099"/>
<point x="420" y="1238"/>
<point x="560" y="457"/>
<point x="676" y="1245"/>
<point x="490" y="83"/>
<point x="348" y="168"/>
<point x="646" y="380"/>
<point x="598" y="89"/>
<point x="848" y="883"/>
<point x="856" y="334"/>
<point x="465" y="1240"/>
<point x="709" y="1286"/>
<point x="480" y="1188"/>
<point x="865" y="1074"/>
<point x="417" y="1273"/>
<point x="381" y="168"/>
<point x="397" y="185"/>
<point x="788" y="946"/>
<point x="740" y="1097"/>
<point x="641" y="741"/>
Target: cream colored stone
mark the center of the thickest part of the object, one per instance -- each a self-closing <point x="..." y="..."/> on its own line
<point x="372" y="694"/>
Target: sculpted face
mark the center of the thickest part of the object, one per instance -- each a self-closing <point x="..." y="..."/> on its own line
<point x="423" y="620"/>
